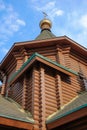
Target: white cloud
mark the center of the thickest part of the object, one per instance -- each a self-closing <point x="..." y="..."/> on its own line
<point x="20" y="22"/>
<point x="59" y="12"/>
<point x="83" y="21"/>
<point x="5" y="50"/>
<point x="50" y="8"/>
<point x="9" y="22"/>
<point x="2" y="5"/>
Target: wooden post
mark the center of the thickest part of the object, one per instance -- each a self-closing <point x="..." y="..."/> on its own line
<point x="25" y="94"/>
<point x="59" y="91"/>
<point x="35" y="97"/>
<point x="42" y="97"/>
<point x="3" y="86"/>
<point x="66" y="53"/>
<point x="60" y="57"/>
<point x="24" y="54"/>
<point x="18" y="60"/>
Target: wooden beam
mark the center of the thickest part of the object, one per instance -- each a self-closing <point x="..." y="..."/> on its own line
<point x="4" y="85"/>
<point x="25" y="94"/>
<point x="35" y="97"/>
<point x="16" y="123"/>
<point x="59" y="91"/>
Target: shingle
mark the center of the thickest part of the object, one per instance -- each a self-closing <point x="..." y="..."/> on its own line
<point x="79" y="102"/>
<point x="10" y="109"/>
<point x="45" y="34"/>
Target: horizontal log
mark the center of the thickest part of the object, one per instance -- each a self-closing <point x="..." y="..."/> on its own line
<point x="50" y="93"/>
<point x="51" y="108"/>
<point x="51" y="104"/>
<point x="51" y="100"/>
<point x="50" y="97"/>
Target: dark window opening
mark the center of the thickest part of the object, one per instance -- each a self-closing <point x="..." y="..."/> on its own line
<point x="83" y="81"/>
<point x="65" y="78"/>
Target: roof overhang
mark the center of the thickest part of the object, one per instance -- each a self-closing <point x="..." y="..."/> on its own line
<point x="63" y="40"/>
<point x="37" y="57"/>
<point x="73" y="115"/>
<point x="15" y="123"/>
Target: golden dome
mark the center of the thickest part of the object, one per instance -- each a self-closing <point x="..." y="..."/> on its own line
<point x="45" y="24"/>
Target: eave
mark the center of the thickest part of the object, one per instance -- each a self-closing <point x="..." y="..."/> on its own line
<point x="70" y="116"/>
<point x="63" y="40"/>
<point x="15" y="123"/>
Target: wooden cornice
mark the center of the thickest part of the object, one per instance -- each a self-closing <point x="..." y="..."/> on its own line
<point x="61" y="41"/>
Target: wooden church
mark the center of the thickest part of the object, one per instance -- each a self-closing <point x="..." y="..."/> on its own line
<point x="44" y="84"/>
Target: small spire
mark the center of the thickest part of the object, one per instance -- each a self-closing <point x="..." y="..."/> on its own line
<point x="45" y="23"/>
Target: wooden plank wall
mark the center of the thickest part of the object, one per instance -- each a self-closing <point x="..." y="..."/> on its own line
<point x="49" y="52"/>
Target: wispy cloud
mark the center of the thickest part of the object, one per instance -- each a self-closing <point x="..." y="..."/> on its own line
<point x="83" y="21"/>
<point x="50" y="8"/>
<point x="10" y="23"/>
<point x="2" y="6"/>
<point x="5" y="50"/>
<point x="77" y="26"/>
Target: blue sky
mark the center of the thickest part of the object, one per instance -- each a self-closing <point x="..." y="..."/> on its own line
<point x="19" y="20"/>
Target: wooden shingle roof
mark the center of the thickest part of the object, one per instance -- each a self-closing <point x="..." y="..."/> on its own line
<point x="45" y="34"/>
<point x="11" y="110"/>
<point x="78" y="103"/>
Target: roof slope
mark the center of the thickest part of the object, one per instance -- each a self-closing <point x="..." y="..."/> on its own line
<point x="79" y="102"/>
<point x="45" y="34"/>
<point x="12" y="110"/>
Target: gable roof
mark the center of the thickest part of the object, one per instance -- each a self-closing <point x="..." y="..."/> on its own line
<point x="45" y="60"/>
<point x="10" y="109"/>
<point x="78" y="103"/>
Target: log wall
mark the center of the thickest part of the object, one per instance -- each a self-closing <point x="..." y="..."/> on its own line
<point x="70" y="90"/>
<point x="78" y="65"/>
<point x="50" y="92"/>
<point x="49" y="52"/>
